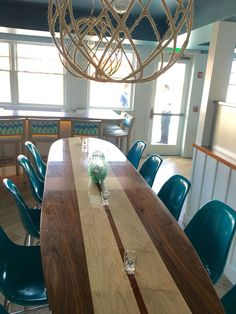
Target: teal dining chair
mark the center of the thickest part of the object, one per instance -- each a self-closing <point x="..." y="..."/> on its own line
<point x="135" y="153"/>
<point x="229" y="301"/>
<point x="21" y="274"/>
<point x="173" y="194"/>
<point x="37" y="185"/>
<point x="30" y="217"/>
<point x="2" y="310"/>
<point x="211" y="231"/>
<point x="150" y="167"/>
<point x="39" y="163"/>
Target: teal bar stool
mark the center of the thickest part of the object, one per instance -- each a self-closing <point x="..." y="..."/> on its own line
<point x="83" y="128"/>
<point x="119" y="133"/>
<point x="229" y="301"/>
<point x="211" y="231"/>
<point x="21" y="274"/>
<point x="150" y="167"/>
<point x="40" y="165"/>
<point x="12" y="132"/>
<point x="135" y="153"/>
<point x="30" y="217"/>
<point x="37" y="185"/>
<point x="173" y="194"/>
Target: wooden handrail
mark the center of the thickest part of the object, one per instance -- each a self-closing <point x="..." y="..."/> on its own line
<point x="230" y="162"/>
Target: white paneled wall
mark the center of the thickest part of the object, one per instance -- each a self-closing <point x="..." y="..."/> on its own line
<point x="212" y="179"/>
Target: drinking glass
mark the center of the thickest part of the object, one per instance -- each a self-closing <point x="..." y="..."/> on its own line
<point x="130" y="261"/>
<point x="105" y="198"/>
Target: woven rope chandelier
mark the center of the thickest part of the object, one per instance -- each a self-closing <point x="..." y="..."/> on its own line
<point x="94" y="46"/>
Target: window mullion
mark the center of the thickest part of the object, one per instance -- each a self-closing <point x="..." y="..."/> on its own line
<point x="13" y="74"/>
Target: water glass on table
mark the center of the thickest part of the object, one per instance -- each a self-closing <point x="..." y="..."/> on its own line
<point x="105" y="198"/>
<point x="130" y="258"/>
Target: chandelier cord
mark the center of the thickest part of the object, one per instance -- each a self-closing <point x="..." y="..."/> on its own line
<point x="91" y="3"/>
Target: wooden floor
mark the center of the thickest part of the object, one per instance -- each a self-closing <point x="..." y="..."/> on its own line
<point x="10" y="220"/>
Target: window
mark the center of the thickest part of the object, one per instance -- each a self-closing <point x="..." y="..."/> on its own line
<point x="112" y="95"/>
<point x="232" y="85"/>
<point x="5" y="95"/>
<point x="35" y="72"/>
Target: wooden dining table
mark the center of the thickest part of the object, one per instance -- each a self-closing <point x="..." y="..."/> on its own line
<point x="83" y="242"/>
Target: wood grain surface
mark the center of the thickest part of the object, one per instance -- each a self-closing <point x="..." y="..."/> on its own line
<point x="82" y="243"/>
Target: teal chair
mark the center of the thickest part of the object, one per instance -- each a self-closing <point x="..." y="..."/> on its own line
<point x="21" y="274"/>
<point x="37" y="185"/>
<point x="229" y="301"/>
<point x="2" y="310"/>
<point x="135" y="153"/>
<point x="150" y="167"/>
<point x="211" y="231"/>
<point x="40" y="165"/>
<point x="30" y="217"/>
<point x="173" y="194"/>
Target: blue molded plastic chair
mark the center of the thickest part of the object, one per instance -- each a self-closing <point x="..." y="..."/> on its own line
<point x="211" y="231"/>
<point x="30" y="217"/>
<point x="229" y="301"/>
<point x="37" y="185"/>
<point x="40" y="165"/>
<point x="149" y="168"/>
<point x="173" y="194"/>
<point x="21" y="274"/>
<point x="135" y="153"/>
<point x="2" y="310"/>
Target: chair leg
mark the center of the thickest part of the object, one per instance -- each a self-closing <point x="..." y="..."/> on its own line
<point x="26" y="239"/>
<point x="16" y="154"/>
<point x="6" y="304"/>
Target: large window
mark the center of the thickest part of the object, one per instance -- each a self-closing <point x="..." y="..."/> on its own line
<point x="5" y="94"/>
<point x="113" y="95"/>
<point x="31" y="74"/>
<point x="231" y="94"/>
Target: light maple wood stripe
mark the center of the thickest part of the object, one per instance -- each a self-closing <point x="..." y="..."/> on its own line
<point x="157" y="287"/>
<point x="102" y="254"/>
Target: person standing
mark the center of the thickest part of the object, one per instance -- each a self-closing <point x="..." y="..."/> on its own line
<point x="165" y="118"/>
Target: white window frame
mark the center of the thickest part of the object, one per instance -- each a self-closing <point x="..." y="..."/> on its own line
<point x="131" y="98"/>
<point x="15" y="104"/>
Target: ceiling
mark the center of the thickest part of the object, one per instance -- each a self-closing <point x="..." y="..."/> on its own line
<point x="32" y="14"/>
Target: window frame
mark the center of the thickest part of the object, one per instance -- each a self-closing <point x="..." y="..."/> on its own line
<point x="131" y="96"/>
<point x="14" y="86"/>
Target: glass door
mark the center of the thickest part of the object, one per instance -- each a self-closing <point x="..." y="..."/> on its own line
<point x="168" y="112"/>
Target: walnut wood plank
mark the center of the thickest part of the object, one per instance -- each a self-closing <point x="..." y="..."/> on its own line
<point x="81" y="257"/>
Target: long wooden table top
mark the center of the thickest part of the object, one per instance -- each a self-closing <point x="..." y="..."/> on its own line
<point x="106" y="115"/>
<point x="83" y="243"/>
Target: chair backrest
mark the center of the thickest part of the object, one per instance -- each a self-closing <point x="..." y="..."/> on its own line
<point x="229" y="301"/>
<point x="40" y="165"/>
<point x="86" y="128"/>
<point x="173" y="194"/>
<point x="135" y="153"/>
<point x="37" y="185"/>
<point x="24" y="210"/>
<point x="44" y="127"/>
<point x="128" y="122"/>
<point x="149" y="168"/>
<point x="211" y="231"/>
<point x="2" y="310"/>
<point x="12" y="127"/>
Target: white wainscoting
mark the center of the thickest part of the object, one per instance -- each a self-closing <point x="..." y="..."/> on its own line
<point x="212" y="179"/>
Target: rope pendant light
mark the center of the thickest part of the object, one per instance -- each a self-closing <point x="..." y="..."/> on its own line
<point x="94" y="46"/>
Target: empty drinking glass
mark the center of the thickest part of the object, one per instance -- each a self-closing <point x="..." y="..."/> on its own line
<point x="105" y="198"/>
<point x="130" y="261"/>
